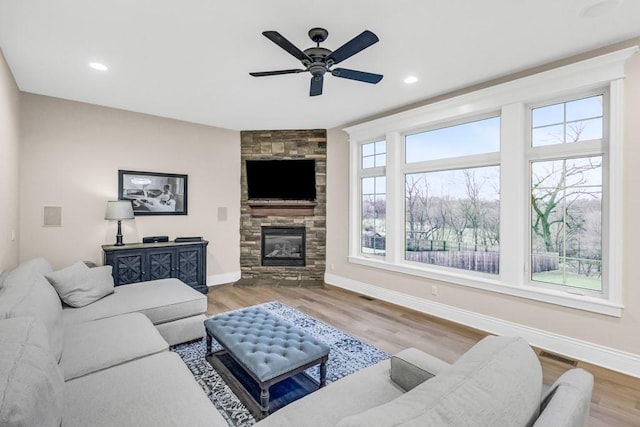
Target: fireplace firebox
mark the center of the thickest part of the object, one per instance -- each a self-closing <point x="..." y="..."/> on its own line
<point x="283" y="246"/>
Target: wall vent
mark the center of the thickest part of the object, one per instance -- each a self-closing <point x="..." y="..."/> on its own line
<point x="52" y="216"/>
<point x="559" y="358"/>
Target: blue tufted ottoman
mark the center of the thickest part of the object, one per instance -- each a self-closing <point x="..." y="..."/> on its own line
<point x="267" y="348"/>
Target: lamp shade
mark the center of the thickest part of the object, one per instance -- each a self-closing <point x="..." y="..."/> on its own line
<point x="119" y="209"/>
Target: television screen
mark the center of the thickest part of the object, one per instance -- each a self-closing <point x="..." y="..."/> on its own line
<point x="281" y="179"/>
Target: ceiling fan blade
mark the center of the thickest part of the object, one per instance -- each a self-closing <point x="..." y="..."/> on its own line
<point x="276" y="73"/>
<point x="356" y="75"/>
<point x="355" y="45"/>
<point x="285" y="44"/>
<point x="316" y="85"/>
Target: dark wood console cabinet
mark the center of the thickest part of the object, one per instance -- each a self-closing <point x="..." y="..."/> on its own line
<point x="138" y="262"/>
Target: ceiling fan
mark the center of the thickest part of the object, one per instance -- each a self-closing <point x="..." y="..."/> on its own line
<point x="319" y="60"/>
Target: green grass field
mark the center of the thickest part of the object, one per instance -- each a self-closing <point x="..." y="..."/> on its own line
<point x="573" y="280"/>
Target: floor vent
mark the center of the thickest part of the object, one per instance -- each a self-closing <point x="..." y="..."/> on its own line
<point x="367" y="298"/>
<point x="559" y="358"/>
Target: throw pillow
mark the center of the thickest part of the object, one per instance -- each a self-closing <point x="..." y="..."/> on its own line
<point x="30" y="294"/>
<point x="27" y="268"/>
<point x="79" y="285"/>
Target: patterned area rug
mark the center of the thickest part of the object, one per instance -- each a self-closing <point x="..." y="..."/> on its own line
<point x="347" y="355"/>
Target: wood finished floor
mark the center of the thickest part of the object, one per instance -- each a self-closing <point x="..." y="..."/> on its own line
<point x="616" y="397"/>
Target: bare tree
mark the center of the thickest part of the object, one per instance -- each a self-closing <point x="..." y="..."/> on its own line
<point x="455" y="217"/>
<point x="415" y="211"/>
<point x="472" y="205"/>
<point x="552" y="198"/>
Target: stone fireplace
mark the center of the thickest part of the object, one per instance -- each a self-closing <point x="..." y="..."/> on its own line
<point x="282" y="242"/>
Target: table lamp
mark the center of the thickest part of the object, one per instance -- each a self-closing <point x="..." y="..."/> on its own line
<point x="119" y="210"/>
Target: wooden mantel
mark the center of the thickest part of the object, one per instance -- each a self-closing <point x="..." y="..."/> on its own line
<point x="265" y="208"/>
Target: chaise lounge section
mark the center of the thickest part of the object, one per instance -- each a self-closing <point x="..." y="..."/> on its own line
<point x="176" y="311"/>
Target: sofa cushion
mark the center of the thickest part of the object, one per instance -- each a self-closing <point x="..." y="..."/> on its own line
<point x="498" y="382"/>
<point x="27" y="293"/>
<point x="163" y="300"/>
<point x="79" y="285"/>
<point x="31" y="384"/>
<point x="157" y="390"/>
<point x="100" y="344"/>
<point x="568" y="400"/>
<point x="183" y="330"/>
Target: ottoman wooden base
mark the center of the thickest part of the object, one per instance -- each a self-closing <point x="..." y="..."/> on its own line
<point x="248" y="390"/>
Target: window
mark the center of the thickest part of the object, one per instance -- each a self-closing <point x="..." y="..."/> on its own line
<point x="453" y="215"/>
<point x="374" y="154"/>
<point x="477" y="137"/>
<point x="514" y="189"/>
<point x="374" y="201"/>
<point x="567" y="122"/>
<point x="567" y="194"/>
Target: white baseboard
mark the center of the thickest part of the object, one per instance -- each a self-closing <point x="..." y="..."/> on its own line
<point x="616" y="360"/>
<point x="223" y="279"/>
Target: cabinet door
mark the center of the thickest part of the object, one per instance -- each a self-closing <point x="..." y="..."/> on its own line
<point x="128" y="268"/>
<point x="189" y="266"/>
<point x="161" y="264"/>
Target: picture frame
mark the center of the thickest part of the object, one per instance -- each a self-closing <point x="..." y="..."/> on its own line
<point x="153" y="193"/>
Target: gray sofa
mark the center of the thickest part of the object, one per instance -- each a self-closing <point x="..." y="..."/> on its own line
<point x="108" y="365"/>
<point x="103" y="364"/>
<point x="498" y="382"/>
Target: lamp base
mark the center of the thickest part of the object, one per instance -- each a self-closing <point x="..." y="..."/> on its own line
<point x="119" y="241"/>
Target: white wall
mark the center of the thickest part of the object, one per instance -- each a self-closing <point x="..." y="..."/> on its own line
<point x="71" y="153"/>
<point x="591" y="336"/>
<point x="9" y="151"/>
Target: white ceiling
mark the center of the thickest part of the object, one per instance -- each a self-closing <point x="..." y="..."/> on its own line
<point x="190" y="59"/>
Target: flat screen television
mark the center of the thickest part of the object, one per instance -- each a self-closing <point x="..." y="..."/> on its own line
<point x="293" y="179"/>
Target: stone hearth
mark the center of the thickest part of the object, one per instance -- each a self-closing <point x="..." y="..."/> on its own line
<point x="283" y="145"/>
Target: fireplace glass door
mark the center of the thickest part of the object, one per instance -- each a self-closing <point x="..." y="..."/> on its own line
<point x="283" y="246"/>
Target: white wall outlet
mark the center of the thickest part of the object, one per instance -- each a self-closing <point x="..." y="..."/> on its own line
<point x="434" y="290"/>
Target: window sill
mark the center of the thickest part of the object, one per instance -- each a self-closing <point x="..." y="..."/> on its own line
<point x="489" y="283"/>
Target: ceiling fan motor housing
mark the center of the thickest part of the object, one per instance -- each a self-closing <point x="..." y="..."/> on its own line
<point x="317" y="69"/>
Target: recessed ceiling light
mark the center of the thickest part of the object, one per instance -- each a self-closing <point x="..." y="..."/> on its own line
<point x="411" y="79"/>
<point x="98" y="66"/>
<point x="599" y="8"/>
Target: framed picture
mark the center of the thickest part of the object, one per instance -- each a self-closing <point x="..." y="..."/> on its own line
<point x="154" y="193"/>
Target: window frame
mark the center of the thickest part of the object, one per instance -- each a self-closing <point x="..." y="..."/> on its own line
<point x="582" y="149"/>
<point x="446" y="164"/>
<point x="362" y="172"/>
<point x="513" y="100"/>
